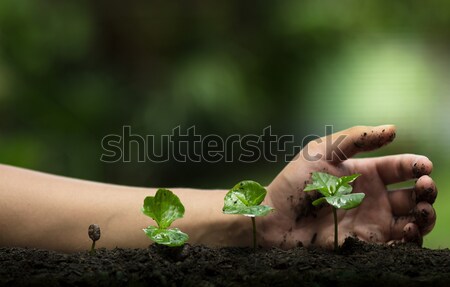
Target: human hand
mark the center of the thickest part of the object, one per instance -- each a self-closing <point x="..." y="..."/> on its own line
<point x="384" y="216"/>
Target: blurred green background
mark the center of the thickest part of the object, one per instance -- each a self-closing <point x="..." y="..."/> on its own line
<point x="72" y="72"/>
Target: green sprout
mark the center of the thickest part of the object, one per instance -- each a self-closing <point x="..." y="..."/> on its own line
<point x="165" y="207"/>
<point x="337" y="193"/>
<point x="245" y="198"/>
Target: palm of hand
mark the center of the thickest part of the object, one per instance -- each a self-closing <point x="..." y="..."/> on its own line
<point x="383" y="216"/>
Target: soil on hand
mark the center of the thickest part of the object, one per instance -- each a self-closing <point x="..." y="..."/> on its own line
<point x="358" y="264"/>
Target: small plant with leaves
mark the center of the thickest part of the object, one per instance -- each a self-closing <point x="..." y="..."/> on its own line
<point x="337" y="193"/>
<point x="245" y="198"/>
<point x="165" y="207"/>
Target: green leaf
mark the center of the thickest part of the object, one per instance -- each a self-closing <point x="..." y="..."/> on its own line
<point x="343" y="186"/>
<point x="347" y="201"/>
<point x="349" y="178"/>
<point x="318" y="201"/>
<point x="165" y="207"/>
<point x="244" y="198"/>
<point x="322" y="182"/>
<point x="169" y="237"/>
<point x="336" y="190"/>
<point x="329" y="185"/>
<point x="344" y="189"/>
<point x="259" y="210"/>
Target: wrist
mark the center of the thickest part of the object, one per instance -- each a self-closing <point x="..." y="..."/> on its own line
<point x="265" y="225"/>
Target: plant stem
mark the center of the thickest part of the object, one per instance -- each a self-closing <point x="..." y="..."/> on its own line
<point x="335" y="230"/>
<point x="254" y="231"/>
<point x="92" y="248"/>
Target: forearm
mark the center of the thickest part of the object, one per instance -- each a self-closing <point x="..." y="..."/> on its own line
<point x="47" y="211"/>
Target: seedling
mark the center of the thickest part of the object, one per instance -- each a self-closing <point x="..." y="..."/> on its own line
<point x="337" y="193"/>
<point x="165" y="207"/>
<point x="245" y="198"/>
<point x="94" y="235"/>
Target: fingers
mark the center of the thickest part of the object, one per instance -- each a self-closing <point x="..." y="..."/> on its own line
<point x="412" y="234"/>
<point x="413" y="227"/>
<point x="405" y="231"/>
<point x="398" y="168"/>
<point x="398" y="224"/>
<point x="425" y="217"/>
<point x="345" y="144"/>
<point x="403" y="201"/>
<point x="413" y="205"/>
<point x="425" y="190"/>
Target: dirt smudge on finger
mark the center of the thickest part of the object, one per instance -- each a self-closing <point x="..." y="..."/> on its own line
<point x="412" y="234"/>
<point x="376" y="139"/>
<point x="392" y="137"/>
<point x="427" y="195"/>
<point x="422" y="216"/>
<point x="361" y="142"/>
<point x="419" y="170"/>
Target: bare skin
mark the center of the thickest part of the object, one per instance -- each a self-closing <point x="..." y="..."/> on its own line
<point x="383" y="217"/>
<point x="53" y="212"/>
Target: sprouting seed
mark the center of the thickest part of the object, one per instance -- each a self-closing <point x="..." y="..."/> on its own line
<point x="94" y="235"/>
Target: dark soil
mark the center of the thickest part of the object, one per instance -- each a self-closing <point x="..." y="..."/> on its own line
<point x="357" y="264"/>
